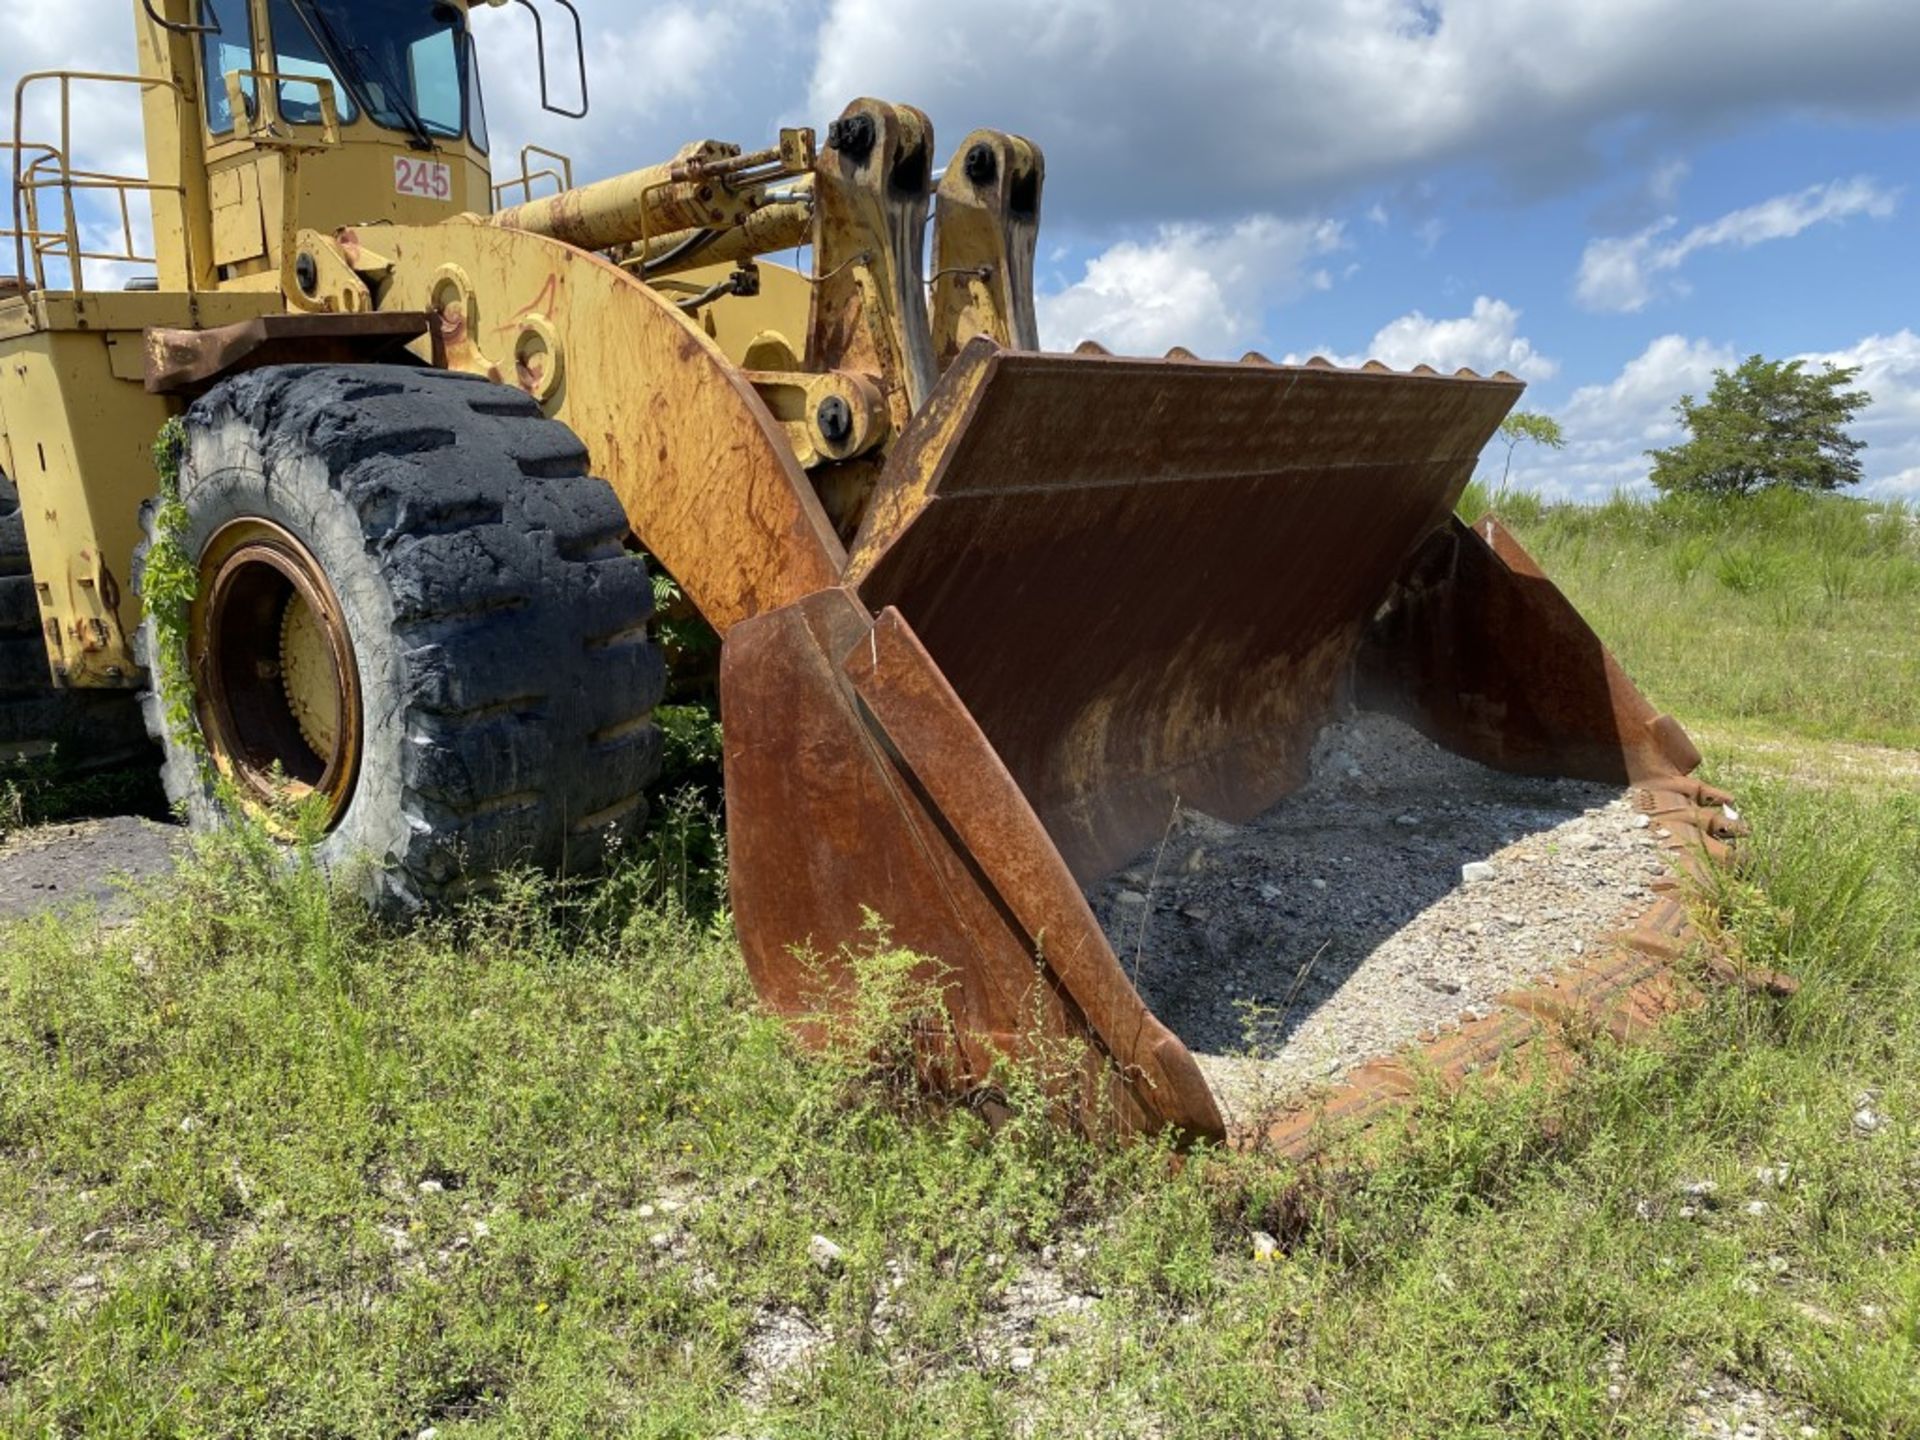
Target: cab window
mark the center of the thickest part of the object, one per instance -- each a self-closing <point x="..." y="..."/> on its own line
<point x="220" y="55"/>
<point x="297" y="53"/>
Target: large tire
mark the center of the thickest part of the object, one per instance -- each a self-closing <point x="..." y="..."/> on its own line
<point x="81" y="729"/>
<point x="499" y="626"/>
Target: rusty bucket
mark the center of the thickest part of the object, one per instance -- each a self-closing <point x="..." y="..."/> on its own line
<point x="1089" y="589"/>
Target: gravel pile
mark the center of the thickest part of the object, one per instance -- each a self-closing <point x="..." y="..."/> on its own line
<point x="1401" y="889"/>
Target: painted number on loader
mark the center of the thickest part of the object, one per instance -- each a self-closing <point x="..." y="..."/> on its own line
<point x="428" y="179"/>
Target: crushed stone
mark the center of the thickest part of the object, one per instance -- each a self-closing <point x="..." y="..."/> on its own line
<point x="1401" y="889"/>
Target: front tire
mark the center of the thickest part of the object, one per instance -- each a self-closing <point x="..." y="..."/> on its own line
<point x="415" y="609"/>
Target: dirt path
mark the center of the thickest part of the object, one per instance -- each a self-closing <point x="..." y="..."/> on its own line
<point x="1819" y="763"/>
<point x="77" y="863"/>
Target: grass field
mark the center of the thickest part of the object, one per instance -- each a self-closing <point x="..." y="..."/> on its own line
<point x="539" y="1168"/>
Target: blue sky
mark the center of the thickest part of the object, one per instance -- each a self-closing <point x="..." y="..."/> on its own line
<point x="1611" y="200"/>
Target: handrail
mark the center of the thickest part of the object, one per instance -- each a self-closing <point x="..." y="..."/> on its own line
<point x="562" y="178"/>
<point x="540" y="53"/>
<point x="176" y="28"/>
<point x="32" y="177"/>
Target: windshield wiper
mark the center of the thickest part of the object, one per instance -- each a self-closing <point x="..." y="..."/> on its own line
<point x="354" y="75"/>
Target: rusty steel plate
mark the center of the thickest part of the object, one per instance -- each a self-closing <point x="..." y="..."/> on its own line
<point x="1147" y="580"/>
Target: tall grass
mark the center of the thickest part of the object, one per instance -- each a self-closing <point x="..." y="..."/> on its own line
<point x="1786" y="612"/>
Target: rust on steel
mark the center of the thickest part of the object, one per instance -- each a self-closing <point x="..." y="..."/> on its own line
<point x="1456" y="651"/>
<point x="254" y="578"/>
<point x="858" y="784"/>
<point x="709" y="481"/>
<point x="1148" y="580"/>
<point x="1010" y="694"/>
<point x="181" y="361"/>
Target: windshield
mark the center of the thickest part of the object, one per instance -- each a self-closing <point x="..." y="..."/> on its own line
<point x="406" y="61"/>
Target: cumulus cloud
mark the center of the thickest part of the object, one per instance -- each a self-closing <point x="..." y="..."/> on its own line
<point x="1610" y="426"/>
<point x="1889" y="368"/>
<point x="1623" y="273"/>
<point x="1204" y="287"/>
<point x="1486" y="339"/>
<point x="1229" y="106"/>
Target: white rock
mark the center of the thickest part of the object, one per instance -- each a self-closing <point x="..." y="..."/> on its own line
<point x="1757" y="1207"/>
<point x="1319" y="884"/>
<point x="1020" y="1358"/>
<point x="1265" y="1247"/>
<point x="1642" y="822"/>
<point x="660" y="1240"/>
<point x="1867" y="1120"/>
<point x="1131" y="898"/>
<point x="825" y="1255"/>
<point x="1699" y="1189"/>
<point x="1270" y="893"/>
<point x="1477" y="872"/>
<point x="431" y="1187"/>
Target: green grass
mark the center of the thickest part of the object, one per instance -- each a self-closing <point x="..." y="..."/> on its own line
<point x="1782" y="613"/>
<point x="267" y="1170"/>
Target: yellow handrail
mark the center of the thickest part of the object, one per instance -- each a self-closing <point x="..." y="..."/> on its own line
<point x="524" y="181"/>
<point x="30" y="177"/>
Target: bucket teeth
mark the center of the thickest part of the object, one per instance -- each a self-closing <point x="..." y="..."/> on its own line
<point x="1254" y="357"/>
<point x="1180" y="352"/>
<point x="1091" y="347"/>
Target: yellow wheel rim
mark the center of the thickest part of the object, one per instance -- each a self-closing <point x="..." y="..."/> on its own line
<point x="276" y="686"/>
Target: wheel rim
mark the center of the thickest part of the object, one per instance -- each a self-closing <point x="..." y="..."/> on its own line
<point x="276" y="687"/>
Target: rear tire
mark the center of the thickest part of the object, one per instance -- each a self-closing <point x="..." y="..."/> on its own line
<point x="497" y="626"/>
<point x="81" y="729"/>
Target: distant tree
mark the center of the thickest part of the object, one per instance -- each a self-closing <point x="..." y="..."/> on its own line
<point x="1536" y="429"/>
<point x="1768" y="423"/>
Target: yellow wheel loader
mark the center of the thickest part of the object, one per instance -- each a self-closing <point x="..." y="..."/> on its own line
<point x="988" y="614"/>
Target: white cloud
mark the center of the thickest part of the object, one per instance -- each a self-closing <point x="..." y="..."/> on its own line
<point x="1485" y="340"/>
<point x="1610" y="426"/>
<point x="1623" y="273"/>
<point x="1203" y="287"/>
<point x="1636" y="406"/>
<point x="1889" y="368"/>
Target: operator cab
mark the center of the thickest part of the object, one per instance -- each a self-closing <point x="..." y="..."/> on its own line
<point x="410" y="69"/>
<point x="315" y="115"/>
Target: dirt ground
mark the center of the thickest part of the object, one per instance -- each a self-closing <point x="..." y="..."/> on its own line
<point x="82" y="862"/>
